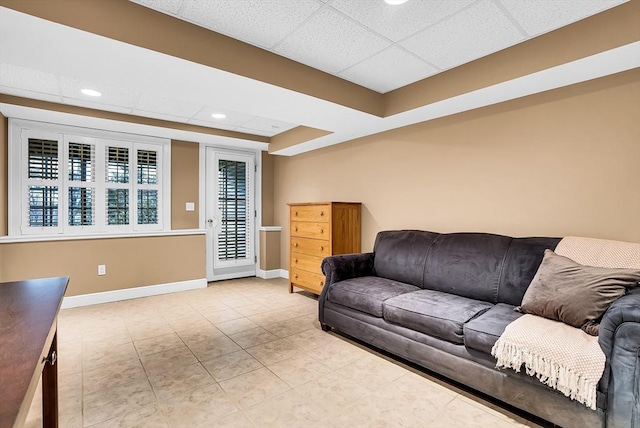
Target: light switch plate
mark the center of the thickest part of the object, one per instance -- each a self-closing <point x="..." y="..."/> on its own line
<point x="190" y="206"/>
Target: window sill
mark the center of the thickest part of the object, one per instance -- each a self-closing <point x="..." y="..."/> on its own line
<point x="62" y="237"/>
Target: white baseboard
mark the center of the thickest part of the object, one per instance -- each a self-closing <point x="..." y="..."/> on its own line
<point x="273" y="273"/>
<point x="132" y="293"/>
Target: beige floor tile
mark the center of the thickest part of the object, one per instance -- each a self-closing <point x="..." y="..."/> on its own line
<point x="112" y="356"/>
<point x="495" y="410"/>
<point x="253" y="309"/>
<point x="107" y="377"/>
<point x="286" y="410"/>
<point x="70" y="385"/>
<point x="69" y="364"/>
<point x="222" y="315"/>
<point x="291" y="326"/>
<point x="311" y="339"/>
<point x="236" y="419"/>
<point x="70" y="411"/>
<point x="147" y="331"/>
<point x="212" y="348"/>
<point x="236" y="326"/>
<point x="180" y="381"/>
<point x="158" y="344"/>
<point x="333" y="391"/>
<point x="337" y="354"/>
<point x="459" y="413"/>
<point x="201" y="408"/>
<point x="252" y="337"/>
<point x="231" y="365"/>
<point x="273" y="352"/>
<point x="298" y="370"/>
<point x="106" y="404"/>
<point x="147" y="417"/>
<point x="372" y="372"/>
<point x="253" y="387"/>
<point x="168" y="360"/>
<point x="199" y="334"/>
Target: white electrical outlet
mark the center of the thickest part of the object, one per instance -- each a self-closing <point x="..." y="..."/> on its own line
<point x="191" y="206"/>
<point x="102" y="270"/>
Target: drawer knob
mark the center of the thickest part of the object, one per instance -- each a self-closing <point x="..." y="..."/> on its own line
<point x="321" y="230"/>
<point x="321" y="248"/>
<point x="296" y="214"/>
<point x="295" y="276"/>
<point x="295" y="244"/>
<point x="321" y="213"/>
<point x="321" y="283"/>
<point x="295" y="261"/>
<point x="295" y="229"/>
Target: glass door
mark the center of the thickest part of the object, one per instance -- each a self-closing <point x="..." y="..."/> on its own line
<point x="230" y="215"/>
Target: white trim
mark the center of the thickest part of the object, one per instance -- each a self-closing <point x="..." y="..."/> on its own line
<point x="270" y="229"/>
<point x="132" y="293"/>
<point x="284" y="273"/>
<point x="38" y="238"/>
<point x="269" y="274"/>
<point x="236" y="275"/>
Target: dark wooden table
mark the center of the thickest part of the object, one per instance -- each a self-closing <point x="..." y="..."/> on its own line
<point x="28" y="348"/>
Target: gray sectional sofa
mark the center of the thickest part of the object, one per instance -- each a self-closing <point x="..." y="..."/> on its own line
<point x="442" y="300"/>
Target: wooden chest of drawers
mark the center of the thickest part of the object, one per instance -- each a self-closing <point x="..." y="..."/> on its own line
<point x="318" y="230"/>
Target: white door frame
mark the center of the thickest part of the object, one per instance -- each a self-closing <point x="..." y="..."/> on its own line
<point x="202" y="196"/>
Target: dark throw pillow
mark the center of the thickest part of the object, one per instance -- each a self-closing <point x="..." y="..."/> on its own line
<point x="578" y="295"/>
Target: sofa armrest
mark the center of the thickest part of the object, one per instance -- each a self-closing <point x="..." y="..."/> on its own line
<point x="339" y="268"/>
<point x="619" y="338"/>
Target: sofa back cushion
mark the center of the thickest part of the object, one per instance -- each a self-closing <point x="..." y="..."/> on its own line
<point x="466" y="264"/>
<point x="400" y="255"/>
<point x="483" y="266"/>
<point x="520" y="266"/>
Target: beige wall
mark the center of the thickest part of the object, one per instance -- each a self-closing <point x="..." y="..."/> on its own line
<point x="130" y="262"/>
<point x="564" y="162"/>
<point x="269" y="250"/>
<point x="184" y="184"/>
<point x="267" y="189"/>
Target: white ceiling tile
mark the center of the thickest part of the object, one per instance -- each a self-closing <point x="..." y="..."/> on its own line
<point x="233" y="118"/>
<point x="255" y="131"/>
<point x="268" y="125"/>
<point x="161" y="116"/>
<point x="542" y="16"/>
<point x="28" y="79"/>
<point x="111" y="94"/>
<point x="329" y="41"/>
<point x="169" y="106"/>
<point x="96" y="106"/>
<point x="399" y="22"/>
<point x="258" y="22"/>
<point x="29" y="94"/>
<point x="473" y="33"/>
<point x="389" y="70"/>
<point x="171" y="6"/>
<point x="209" y="124"/>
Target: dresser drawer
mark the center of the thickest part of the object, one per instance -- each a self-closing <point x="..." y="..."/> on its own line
<point x="308" y="280"/>
<point x="310" y="230"/>
<point x="306" y="262"/>
<point x="317" y="213"/>
<point x="313" y="247"/>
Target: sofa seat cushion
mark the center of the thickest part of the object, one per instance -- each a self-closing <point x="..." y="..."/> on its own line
<point x="367" y="293"/>
<point x="481" y="333"/>
<point x="434" y="313"/>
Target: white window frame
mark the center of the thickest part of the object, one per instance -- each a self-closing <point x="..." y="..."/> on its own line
<point x="19" y="133"/>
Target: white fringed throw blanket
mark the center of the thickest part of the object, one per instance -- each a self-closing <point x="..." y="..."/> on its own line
<point x="561" y="356"/>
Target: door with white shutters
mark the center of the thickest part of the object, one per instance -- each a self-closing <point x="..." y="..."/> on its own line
<point x="230" y="215"/>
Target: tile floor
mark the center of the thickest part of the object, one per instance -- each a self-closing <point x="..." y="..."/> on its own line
<point x="240" y="353"/>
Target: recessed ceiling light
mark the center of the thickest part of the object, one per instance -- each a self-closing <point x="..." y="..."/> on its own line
<point x="395" y="2"/>
<point x="91" y="92"/>
<point x="218" y="115"/>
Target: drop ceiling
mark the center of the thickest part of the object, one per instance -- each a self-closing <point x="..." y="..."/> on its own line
<point x="368" y="42"/>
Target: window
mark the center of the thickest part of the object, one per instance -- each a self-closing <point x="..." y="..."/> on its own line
<point x="63" y="183"/>
<point x="232" y="203"/>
